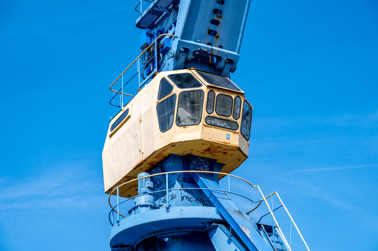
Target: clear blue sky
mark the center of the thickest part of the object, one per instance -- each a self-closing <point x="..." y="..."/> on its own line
<point x="308" y="67"/>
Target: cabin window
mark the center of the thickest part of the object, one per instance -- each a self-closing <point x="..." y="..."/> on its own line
<point x="218" y="81"/>
<point x="224" y="123"/>
<point x="189" y="111"/>
<point x="237" y="107"/>
<point x="246" y="120"/>
<point x="224" y="105"/>
<point x="164" y="89"/>
<point x="165" y="111"/>
<point x="210" y="102"/>
<point x="119" y="120"/>
<point x="185" y="80"/>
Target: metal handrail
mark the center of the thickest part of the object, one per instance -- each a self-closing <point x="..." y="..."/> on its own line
<point x="254" y="208"/>
<point x="115" y="95"/>
<point x="225" y="174"/>
<point x="124" y="84"/>
<point x="259" y="204"/>
<point x="174" y="172"/>
<point x="182" y="188"/>
<point x="268" y="213"/>
<point x="140" y="9"/>
<point x="148" y="47"/>
<point x="292" y="220"/>
<point x="287" y="211"/>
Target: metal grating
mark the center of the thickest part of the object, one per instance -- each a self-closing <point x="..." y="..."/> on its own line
<point x="153" y="12"/>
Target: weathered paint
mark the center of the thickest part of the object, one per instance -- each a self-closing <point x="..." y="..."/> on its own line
<point x="138" y="145"/>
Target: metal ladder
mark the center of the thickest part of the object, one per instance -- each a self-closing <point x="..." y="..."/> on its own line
<point x="232" y="215"/>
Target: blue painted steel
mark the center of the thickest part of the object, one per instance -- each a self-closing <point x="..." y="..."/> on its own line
<point x="153" y="13"/>
<point x="169" y="206"/>
<point x="208" y="34"/>
<point x="266" y="235"/>
<point x="160" y="222"/>
<point x="145" y="201"/>
<point x="274" y="236"/>
<point x="223" y="240"/>
<point x="181" y="185"/>
<point x="167" y="45"/>
<point x="244" y="229"/>
<point x="147" y="36"/>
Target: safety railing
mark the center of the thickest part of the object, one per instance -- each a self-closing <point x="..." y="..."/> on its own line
<point x="278" y="207"/>
<point x="146" y="63"/>
<point x="261" y="210"/>
<point x="142" y="5"/>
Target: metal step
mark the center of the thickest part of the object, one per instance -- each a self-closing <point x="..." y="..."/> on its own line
<point x="278" y="242"/>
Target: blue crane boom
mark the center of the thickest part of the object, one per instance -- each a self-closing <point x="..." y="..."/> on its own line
<point x="207" y="34"/>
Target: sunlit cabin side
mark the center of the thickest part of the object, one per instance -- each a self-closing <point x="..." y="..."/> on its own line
<point x="192" y="112"/>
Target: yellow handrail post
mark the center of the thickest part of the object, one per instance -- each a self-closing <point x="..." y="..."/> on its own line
<point x="292" y="220"/>
<point x="274" y="218"/>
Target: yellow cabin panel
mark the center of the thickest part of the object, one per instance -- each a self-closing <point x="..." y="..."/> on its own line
<point x="139" y="141"/>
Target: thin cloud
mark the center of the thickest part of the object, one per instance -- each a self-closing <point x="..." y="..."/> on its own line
<point x="360" y="120"/>
<point x="301" y="188"/>
<point x="73" y="185"/>
<point x="354" y="120"/>
<point x="286" y="142"/>
<point x="307" y="189"/>
<point x="335" y="168"/>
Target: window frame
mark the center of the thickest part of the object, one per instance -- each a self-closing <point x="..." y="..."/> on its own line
<point x="232" y="104"/>
<point x="118" y="123"/>
<point x="184" y="73"/>
<point x="227" y="120"/>
<point x="240" y="107"/>
<point x="205" y="75"/>
<point x="160" y="85"/>
<point x="201" y="114"/>
<point x="174" y="112"/>
<point x="207" y="101"/>
<point x="250" y="127"/>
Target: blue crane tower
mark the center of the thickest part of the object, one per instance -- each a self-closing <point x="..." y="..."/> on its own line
<point x="170" y="149"/>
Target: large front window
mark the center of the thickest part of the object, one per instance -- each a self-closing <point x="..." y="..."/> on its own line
<point x="189" y="110"/>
